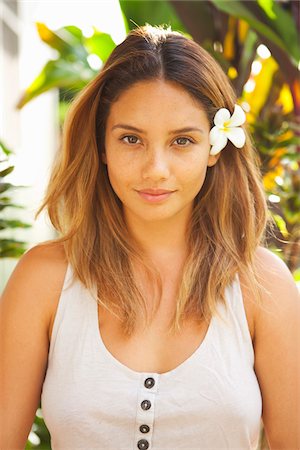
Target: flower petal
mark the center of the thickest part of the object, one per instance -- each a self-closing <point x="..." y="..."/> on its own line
<point x="217" y="139"/>
<point x="238" y="117"/>
<point x="223" y="115"/>
<point x="214" y="134"/>
<point x="237" y="136"/>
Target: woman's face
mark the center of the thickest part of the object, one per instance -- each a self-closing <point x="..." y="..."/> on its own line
<point x="157" y="150"/>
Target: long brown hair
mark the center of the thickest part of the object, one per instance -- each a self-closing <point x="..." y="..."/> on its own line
<point x="230" y="213"/>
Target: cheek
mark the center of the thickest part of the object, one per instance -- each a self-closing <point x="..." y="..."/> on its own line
<point x="120" y="176"/>
<point x="122" y="165"/>
<point x="197" y="180"/>
<point x="196" y="168"/>
<point x="193" y="177"/>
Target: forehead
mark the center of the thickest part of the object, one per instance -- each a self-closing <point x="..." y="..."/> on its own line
<point x="149" y="102"/>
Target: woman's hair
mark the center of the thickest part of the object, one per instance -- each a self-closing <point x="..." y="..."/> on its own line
<point x="229" y="216"/>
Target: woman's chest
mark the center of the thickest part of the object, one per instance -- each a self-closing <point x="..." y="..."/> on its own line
<point x="152" y="350"/>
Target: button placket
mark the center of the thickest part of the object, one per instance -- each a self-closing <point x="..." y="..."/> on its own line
<point x="145" y="410"/>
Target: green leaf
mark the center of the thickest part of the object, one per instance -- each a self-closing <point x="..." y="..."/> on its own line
<point x="291" y="211"/>
<point x="64" y="40"/>
<point x="239" y="9"/>
<point x="281" y="30"/>
<point x="153" y="12"/>
<point x="292" y="156"/>
<point x="5" y="149"/>
<point x="10" y="248"/>
<point x="76" y="32"/>
<point x="288" y="142"/>
<point x="286" y="27"/>
<point x="267" y="6"/>
<point x="247" y="57"/>
<point x="5" y="172"/>
<point x="58" y="73"/>
<point x="4" y="224"/>
<point x="127" y="27"/>
<point x="101" y="44"/>
<point x="52" y="39"/>
<point x="4" y="205"/>
<point x="296" y="275"/>
<point x="5" y="187"/>
<point x="280" y="222"/>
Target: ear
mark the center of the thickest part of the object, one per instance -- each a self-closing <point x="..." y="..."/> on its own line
<point x="103" y="157"/>
<point x="212" y="159"/>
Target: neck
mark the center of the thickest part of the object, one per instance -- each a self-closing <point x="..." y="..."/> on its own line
<point x="161" y="240"/>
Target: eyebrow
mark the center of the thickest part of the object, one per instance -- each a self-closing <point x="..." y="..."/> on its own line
<point x="138" y="130"/>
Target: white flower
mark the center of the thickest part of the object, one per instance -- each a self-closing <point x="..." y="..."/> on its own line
<point x="227" y="127"/>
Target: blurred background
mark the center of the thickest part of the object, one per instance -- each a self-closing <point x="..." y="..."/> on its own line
<point x="49" y="50"/>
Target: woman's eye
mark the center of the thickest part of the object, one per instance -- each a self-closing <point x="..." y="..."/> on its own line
<point x="130" y="139"/>
<point x="183" y="141"/>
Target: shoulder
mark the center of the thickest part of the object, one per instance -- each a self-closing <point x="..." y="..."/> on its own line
<point x="43" y="266"/>
<point x="278" y="290"/>
<point x="277" y="314"/>
<point x="48" y="252"/>
<point x="273" y="270"/>
<point x="37" y="280"/>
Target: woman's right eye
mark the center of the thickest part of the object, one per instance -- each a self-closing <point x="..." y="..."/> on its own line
<point x="131" y="139"/>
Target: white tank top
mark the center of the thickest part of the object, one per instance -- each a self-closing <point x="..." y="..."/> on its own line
<point x="92" y="401"/>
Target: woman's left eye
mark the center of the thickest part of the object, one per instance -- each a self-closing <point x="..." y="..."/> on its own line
<point x="183" y="141"/>
<point x="130" y="139"/>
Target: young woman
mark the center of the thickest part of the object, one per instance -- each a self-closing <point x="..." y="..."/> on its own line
<point x="157" y="320"/>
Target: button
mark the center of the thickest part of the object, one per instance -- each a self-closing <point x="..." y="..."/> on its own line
<point x="143" y="444"/>
<point x="144" y="429"/>
<point x="146" y="404"/>
<point x="149" y="383"/>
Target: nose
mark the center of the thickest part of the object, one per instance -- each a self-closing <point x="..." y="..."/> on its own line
<point x="156" y="165"/>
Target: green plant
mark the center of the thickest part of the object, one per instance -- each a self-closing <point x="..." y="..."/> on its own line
<point x="9" y="247"/>
<point x="281" y="175"/>
<point x="231" y="30"/>
<point x="39" y="437"/>
<point x="79" y="60"/>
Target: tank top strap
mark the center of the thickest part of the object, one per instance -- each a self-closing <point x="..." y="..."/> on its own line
<point x="233" y="320"/>
<point x="71" y="312"/>
<point x="239" y="307"/>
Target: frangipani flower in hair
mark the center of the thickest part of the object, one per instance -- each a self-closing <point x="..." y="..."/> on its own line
<point x="227" y="127"/>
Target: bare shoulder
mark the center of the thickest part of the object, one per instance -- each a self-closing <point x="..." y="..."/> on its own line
<point x="280" y="308"/>
<point x="273" y="268"/>
<point x="44" y="265"/>
<point x="38" y="279"/>
<point x="279" y="290"/>
<point x="49" y="251"/>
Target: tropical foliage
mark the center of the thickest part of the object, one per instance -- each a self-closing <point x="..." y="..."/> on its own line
<point x="9" y="247"/>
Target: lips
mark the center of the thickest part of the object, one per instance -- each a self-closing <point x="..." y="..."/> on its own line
<point x="155" y="195"/>
<point x="155" y="191"/>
